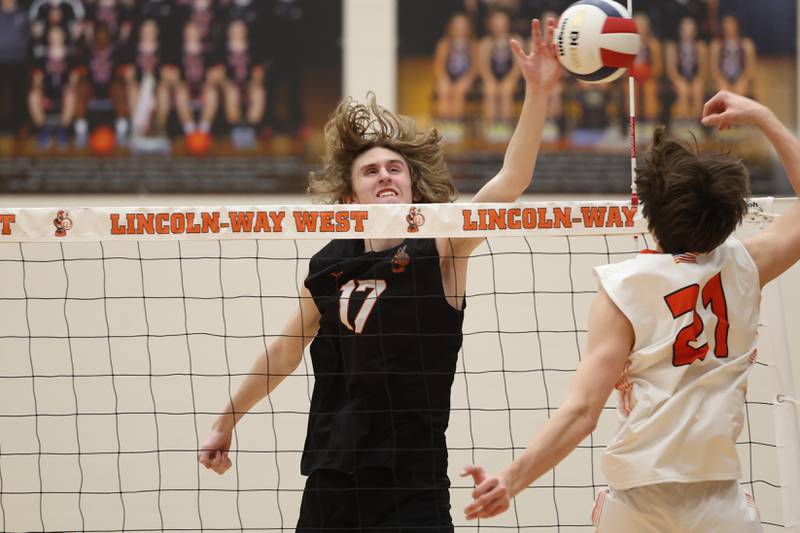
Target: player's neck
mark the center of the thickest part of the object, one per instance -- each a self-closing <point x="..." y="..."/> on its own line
<point x="380" y="245"/>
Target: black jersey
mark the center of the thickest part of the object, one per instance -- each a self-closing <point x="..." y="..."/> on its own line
<point x="384" y="359"/>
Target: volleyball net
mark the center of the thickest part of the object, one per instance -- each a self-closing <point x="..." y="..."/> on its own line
<point x="125" y="332"/>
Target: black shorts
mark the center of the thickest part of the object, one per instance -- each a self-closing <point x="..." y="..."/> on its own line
<point x="375" y="500"/>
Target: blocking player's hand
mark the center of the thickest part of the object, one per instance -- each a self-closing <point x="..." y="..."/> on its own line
<point x="214" y="452"/>
<point x="540" y="68"/>
<point x="491" y="495"/>
<point x="726" y="109"/>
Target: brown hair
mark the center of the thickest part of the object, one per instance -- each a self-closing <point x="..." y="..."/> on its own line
<point x="355" y="128"/>
<point x="692" y="201"/>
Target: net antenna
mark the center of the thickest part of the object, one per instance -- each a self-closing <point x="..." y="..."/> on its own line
<point x="632" y="125"/>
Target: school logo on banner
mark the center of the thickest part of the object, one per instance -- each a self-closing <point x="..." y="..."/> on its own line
<point x="63" y="223"/>
<point x="415" y="219"/>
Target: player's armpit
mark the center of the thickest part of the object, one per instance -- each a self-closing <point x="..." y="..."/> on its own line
<point x="453" y="262"/>
<point x="271" y="367"/>
<point x="776" y="248"/>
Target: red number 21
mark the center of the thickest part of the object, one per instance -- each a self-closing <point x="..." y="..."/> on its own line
<point x="685" y="301"/>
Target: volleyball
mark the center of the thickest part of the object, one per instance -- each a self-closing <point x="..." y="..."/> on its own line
<point x="597" y="40"/>
<point x="198" y="143"/>
<point x="102" y="141"/>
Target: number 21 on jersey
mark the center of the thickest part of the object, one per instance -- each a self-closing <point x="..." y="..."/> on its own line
<point x="375" y="288"/>
<point x="685" y="301"/>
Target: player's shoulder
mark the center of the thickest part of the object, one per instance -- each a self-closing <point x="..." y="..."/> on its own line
<point x="336" y="249"/>
<point x="737" y="254"/>
<point x="732" y="248"/>
<point x="645" y="260"/>
<point x="732" y="253"/>
<point x="331" y="258"/>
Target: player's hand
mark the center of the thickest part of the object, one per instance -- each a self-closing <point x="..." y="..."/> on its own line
<point x="491" y="494"/>
<point x="726" y="109"/>
<point x="214" y="452"/>
<point x="540" y="68"/>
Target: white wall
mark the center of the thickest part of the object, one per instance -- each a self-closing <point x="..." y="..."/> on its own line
<point x="370" y="50"/>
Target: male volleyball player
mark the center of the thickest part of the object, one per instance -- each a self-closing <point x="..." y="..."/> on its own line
<point x="385" y="317"/>
<point x="679" y="325"/>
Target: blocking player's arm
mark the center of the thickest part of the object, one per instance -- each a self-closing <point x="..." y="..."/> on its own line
<point x="609" y="343"/>
<point x="542" y="72"/>
<point x="269" y="369"/>
<point x="777" y="248"/>
<point x="280" y="359"/>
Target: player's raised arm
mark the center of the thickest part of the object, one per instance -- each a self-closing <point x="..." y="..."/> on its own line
<point x="777" y="248"/>
<point x="268" y="371"/>
<point x="609" y="343"/>
<point x="541" y="71"/>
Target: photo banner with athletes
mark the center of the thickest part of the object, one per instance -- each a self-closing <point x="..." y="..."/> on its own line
<point x="326" y="222"/>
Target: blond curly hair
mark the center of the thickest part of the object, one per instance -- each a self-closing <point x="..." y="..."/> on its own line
<point x="355" y="128"/>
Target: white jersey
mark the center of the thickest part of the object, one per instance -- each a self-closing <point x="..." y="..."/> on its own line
<point x="682" y="396"/>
